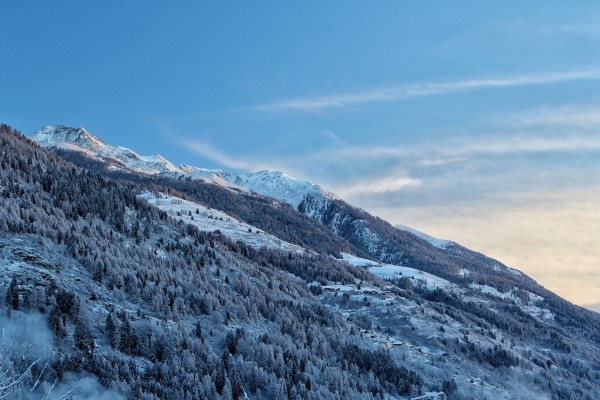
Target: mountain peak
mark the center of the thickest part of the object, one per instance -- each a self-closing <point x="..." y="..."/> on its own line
<point x="61" y="135"/>
<point x="279" y="185"/>
<point x="79" y="139"/>
<point x="271" y="172"/>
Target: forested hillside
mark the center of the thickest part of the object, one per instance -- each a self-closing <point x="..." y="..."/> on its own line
<point x="156" y="309"/>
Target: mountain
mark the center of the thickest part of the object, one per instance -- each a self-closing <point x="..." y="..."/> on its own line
<point x="78" y="139"/>
<point x="216" y="292"/>
<point x="268" y="183"/>
<point x="368" y="235"/>
<point x="118" y="157"/>
<point x="371" y="236"/>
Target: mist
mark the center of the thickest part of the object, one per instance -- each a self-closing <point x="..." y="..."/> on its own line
<point x="26" y="336"/>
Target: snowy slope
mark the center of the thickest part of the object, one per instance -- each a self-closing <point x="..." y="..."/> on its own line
<point x="279" y="186"/>
<point x="81" y="140"/>
<point x="389" y="271"/>
<point x="59" y="135"/>
<point x="440" y="243"/>
<point x="530" y="306"/>
<point x="210" y="220"/>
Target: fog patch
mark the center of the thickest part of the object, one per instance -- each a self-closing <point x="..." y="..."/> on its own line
<point x="28" y="330"/>
<point x="83" y="388"/>
<point x="27" y="337"/>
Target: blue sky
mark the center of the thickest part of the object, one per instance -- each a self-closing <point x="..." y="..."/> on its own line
<point x="474" y="121"/>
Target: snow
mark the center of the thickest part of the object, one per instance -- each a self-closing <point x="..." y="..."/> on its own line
<point x="530" y="307"/>
<point x="389" y="271"/>
<point x="537" y="312"/>
<point x="59" y="134"/>
<point x="504" y="268"/>
<point x="367" y="236"/>
<point x="210" y="220"/>
<point x="492" y="291"/>
<point x="364" y="288"/>
<point x="279" y="186"/>
<point x="430" y="396"/>
<point x="80" y="140"/>
<point x="340" y="288"/>
<point x="440" y="243"/>
<point x="357" y="261"/>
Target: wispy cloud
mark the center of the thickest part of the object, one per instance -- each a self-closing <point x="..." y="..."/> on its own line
<point x="333" y="137"/>
<point x="439" y="161"/>
<point x="456" y="150"/>
<point x="203" y="149"/>
<point x="384" y="184"/>
<point x="243" y="162"/>
<point x="206" y="151"/>
<point x="525" y="144"/>
<point x="399" y="92"/>
<point x="580" y="116"/>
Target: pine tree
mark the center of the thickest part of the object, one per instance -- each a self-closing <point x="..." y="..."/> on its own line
<point x="129" y="342"/>
<point x="220" y="378"/>
<point x="12" y="294"/>
<point x="84" y="340"/>
<point x="231" y="343"/>
<point x="56" y="321"/>
<point x="307" y="383"/>
<point x="98" y="275"/>
<point x="111" y="330"/>
<point x="237" y="390"/>
<point x="225" y="359"/>
<point x="253" y="381"/>
<point x="450" y="388"/>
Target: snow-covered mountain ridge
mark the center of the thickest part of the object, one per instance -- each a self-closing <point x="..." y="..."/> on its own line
<point x="279" y="185"/>
<point x="78" y="139"/>
<point x="119" y="157"/>
<point x="267" y="183"/>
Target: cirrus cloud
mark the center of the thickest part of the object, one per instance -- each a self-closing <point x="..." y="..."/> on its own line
<point x="399" y="92"/>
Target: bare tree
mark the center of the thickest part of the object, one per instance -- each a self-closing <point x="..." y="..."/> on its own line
<point x="13" y="378"/>
<point x="10" y="378"/>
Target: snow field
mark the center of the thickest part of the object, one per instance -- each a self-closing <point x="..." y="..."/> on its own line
<point x="210" y="220"/>
<point x="389" y="271"/>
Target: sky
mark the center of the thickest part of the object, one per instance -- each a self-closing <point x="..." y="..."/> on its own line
<point x="477" y="122"/>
